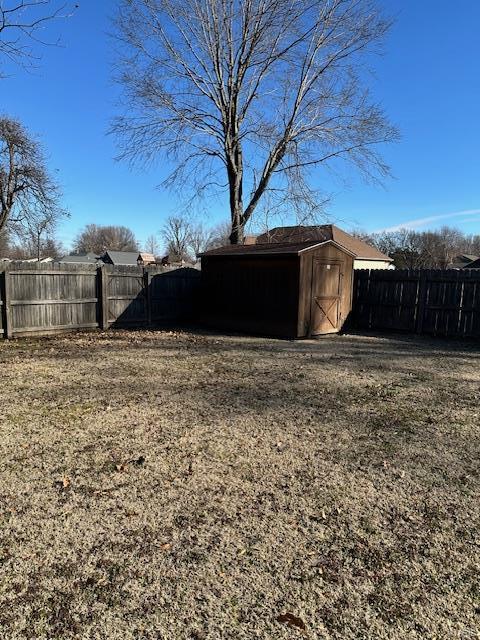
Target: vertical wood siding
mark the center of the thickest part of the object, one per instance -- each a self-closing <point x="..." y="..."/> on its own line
<point x="251" y="294"/>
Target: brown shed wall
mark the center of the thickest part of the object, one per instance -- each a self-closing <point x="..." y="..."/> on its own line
<point x="255" y="294"/>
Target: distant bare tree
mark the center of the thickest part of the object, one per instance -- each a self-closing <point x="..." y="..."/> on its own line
<point x="21" y="25"/>
<point x="412" y="249"/>
<point x="97" y="239"/>
<point x="450" y="242"/>
<point x="35" y="236"/>
<point x="36" y="247"/>
<point x="363" y="235"/>
<point x="28" y="194"/>
<point x="473" y="244"/>
<point x="200" y="238"/>
<point x="152" y="245"/>
<point x="176" y="234"/>
<point x="405" y="246"/>
<point x="219" y="235"/>
<point x="250" y="95"/>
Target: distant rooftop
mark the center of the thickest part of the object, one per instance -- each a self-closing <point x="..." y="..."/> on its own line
<point x="465" y="261"/>
<point x="85" y="258"/>
<point x="466" y="257"/>
<point x="121" y="257"/>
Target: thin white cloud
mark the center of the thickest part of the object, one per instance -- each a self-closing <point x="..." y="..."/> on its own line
<point x="421" y="222"/>
<point x="472" y="220"/>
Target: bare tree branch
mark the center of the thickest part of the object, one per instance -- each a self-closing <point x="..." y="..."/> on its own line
<point x="22" y="23"/>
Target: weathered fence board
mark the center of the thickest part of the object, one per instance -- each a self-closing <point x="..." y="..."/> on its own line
<point x="434" y="302"/>
<point x="51" y="298"/>
<point x="2" y="304"/>
<point x="37" y="298"/>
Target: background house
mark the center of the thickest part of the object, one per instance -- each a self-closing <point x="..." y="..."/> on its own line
<point x="366" y="256"/>
<point x="144" y="259"/>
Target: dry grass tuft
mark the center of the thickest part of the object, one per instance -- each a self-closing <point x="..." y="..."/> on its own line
<point x="182" y="486"/>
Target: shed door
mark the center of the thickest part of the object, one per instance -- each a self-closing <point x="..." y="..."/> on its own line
<point x="327" y="285"/>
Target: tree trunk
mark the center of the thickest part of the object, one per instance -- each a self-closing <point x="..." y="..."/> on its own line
<point x="235" y="178"/>
<point x="236" y="237"/>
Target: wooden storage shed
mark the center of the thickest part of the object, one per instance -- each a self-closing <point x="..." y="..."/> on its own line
<point x="290" y="290"/>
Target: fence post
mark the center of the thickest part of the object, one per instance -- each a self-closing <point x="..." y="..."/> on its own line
<point x="148" y="295"/>
<point x="422" y="298"/>
<point x="8" y="328"/>
<point x="461" y="281"/>
<point x="103" y="290"/>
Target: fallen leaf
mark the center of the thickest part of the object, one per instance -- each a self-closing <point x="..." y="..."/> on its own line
<point x="291" y="620"/>
<point x="62" y="484"/>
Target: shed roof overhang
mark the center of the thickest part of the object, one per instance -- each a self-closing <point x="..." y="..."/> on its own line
<point x="271" y="249"/>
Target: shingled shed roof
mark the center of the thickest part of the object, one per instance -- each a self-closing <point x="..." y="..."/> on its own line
<point x="272" y="248"/>
<point x="357" y="247"/>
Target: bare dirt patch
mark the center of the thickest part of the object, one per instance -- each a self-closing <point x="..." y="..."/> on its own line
<point x="187" y="486"/>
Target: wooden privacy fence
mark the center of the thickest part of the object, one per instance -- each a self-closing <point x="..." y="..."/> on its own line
<point x="45" y="298"/>
<point x="434" y="302"/>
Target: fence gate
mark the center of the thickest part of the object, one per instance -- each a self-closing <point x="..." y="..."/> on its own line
<point x="127" y="297"/>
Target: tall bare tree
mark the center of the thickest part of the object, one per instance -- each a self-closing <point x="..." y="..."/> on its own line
<point x="251" y="95"/>
<point x="22" y="23"/>
<point x="97" y="239"/>
<point x="28" y="194"/>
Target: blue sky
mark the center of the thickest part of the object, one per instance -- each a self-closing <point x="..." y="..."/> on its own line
<point x="428" y="81"/>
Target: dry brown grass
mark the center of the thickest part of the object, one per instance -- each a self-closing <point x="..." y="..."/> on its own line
<point x="182" y="486"/>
